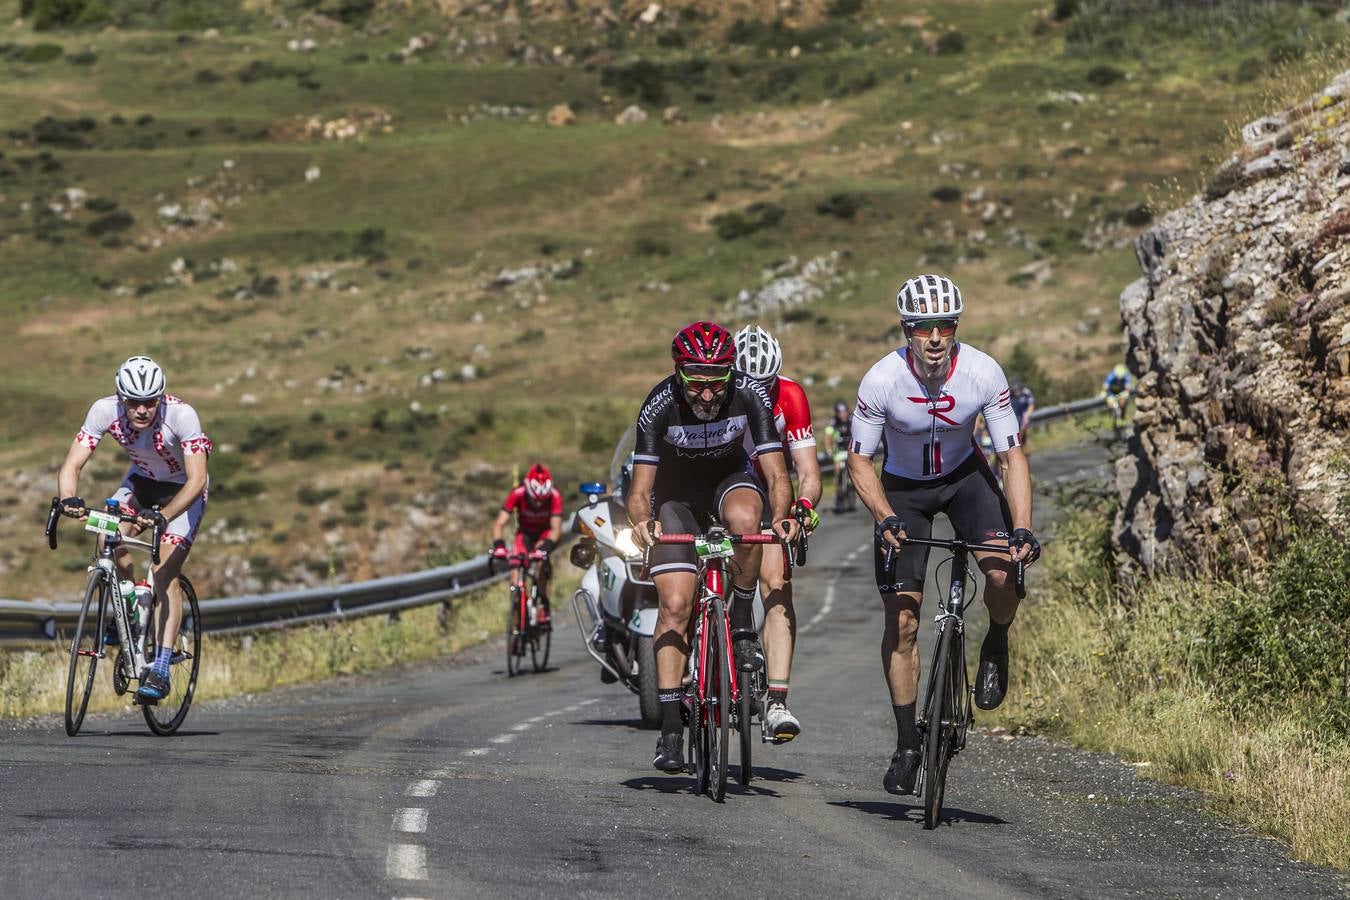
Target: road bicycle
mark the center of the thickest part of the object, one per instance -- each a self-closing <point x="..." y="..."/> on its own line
<point x="524" y="632"/>
<point x="1117" y="403"/>
<point x="713" y="693"/>
<point x="137" y="639"/>
<point x="845" y="497"/>
<point x="948" y="712"/>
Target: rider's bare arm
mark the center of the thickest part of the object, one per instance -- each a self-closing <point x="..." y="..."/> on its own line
<point x="779" y="484"/>
<point x="638" y="503"/>
<point x="808" y="473"/>
<point x="499" y="525"/>
<point x="68" y="480"/>
<point x="1017" y="487"/>
<point x="555" y="529"/>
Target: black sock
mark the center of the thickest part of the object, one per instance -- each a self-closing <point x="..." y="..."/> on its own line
<point x="670" y="700"/>
<point x="742" y="608"/>
<point x="778" y="695"/>
<point x="996" y="641"/>
<point x="906" y="730"/>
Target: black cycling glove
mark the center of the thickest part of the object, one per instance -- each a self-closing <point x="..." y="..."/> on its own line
<point x="1023" y="537"/>
<point x="893" y="524"/>
<point x="499" y="544"/>
<point x="73" y="503"/>
<point x="545" y="546"/>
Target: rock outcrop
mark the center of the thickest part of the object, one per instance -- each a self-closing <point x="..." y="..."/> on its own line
<point x="1239" y="333"/>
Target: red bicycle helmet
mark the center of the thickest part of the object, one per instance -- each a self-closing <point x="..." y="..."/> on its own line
<point x="703" y="344"/>
<point x="538" y="483"/>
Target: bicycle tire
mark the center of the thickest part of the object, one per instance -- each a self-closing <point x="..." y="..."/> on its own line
<point x="87" y="641"/>
<point x="515" y="634"/>
<point x="719" y="692"/>
<point x="542" y="637"/>
<point x="649" y="703"/>
<point x="698" y="732"/>
<point x="168" y="714"/>
<point x="943" y="710"/>
<point x="746" y="699"/>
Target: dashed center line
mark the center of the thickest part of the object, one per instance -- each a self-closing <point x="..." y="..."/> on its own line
<point x="476" y="751"/>
<point x="425" y="788"/>
<point x="411" y="820"/>
<point x="828" y="604"/>
<point x="407" y="862"/>
<point x="502" y="739"/>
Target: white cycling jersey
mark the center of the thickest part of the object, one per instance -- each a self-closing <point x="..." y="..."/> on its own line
<point x="156" y="452"/>
<point x="929" y="436"/>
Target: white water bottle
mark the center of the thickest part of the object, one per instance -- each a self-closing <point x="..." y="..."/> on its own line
<point x="145" y="595"/>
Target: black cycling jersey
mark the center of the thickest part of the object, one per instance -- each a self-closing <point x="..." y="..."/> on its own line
<point x="843" y="431"/>
<point x="693" y="456"/>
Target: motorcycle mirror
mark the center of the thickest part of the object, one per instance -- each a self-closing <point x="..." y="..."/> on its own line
<point x="592" y="490"/>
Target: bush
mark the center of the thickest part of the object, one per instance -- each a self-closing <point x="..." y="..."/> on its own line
<point x="117" y="220"/>
<point x="1064" y="9"/>
<point x="841" y="206"/>
<point x="309" y="495"/>
<point x="838" y="9"/>
<point x="1104" y="75"/>
<point x="733" y="225"/>
<point x="54" y="14"/>
<point x="41" y="53"/>
<point x="946" y="193"/>
<point x="951" y="43"/>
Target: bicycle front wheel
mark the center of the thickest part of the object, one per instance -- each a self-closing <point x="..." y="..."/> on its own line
<point x="746" y="700"/>
<point x="185" y="660"/>
<point x="515" y="633"/>
<point x="944" y="710"/>
<point x="719" y="700"/>
<point x="84" y="650"/>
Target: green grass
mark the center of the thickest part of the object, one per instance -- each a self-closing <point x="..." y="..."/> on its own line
<point x="1227" y="682"/>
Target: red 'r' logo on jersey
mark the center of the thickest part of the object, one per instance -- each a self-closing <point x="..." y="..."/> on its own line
<point x="944" y="404"/>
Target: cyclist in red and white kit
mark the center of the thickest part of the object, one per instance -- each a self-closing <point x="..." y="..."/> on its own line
<point x="924" y="398"/>
<point x="168" y="449"/>
<point x="538" y="507"/>
<point x="759" y="356"/>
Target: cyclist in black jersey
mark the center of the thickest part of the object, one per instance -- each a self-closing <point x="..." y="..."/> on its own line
<point x="690" y="467"/>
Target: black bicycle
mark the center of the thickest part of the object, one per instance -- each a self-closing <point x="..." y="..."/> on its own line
<point x="138" y="630"/>
<point x="948" y="711"/>
<point x="524" y="631"/>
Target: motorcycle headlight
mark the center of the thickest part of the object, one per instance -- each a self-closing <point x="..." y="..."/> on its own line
<point x="623" y="541"/>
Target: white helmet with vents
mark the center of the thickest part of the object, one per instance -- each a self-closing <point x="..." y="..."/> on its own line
<point x="140" y="378"/>
<point x="757" y="353"/>
<point x="929" y="297"/>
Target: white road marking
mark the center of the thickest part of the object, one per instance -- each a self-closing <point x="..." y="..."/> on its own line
<point x="445" y="773"/>
<point x="407" y="862"/>
<point x="502" y="739"/>
<point x="823" y="611"/>
<point x="425" y="788"/>
<point x="523" y="726"/>
<point x="410" y="820"/>
<point x="476" y="751"/>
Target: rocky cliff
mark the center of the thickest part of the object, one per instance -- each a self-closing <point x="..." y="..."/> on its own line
<point x="1239" y="333"/>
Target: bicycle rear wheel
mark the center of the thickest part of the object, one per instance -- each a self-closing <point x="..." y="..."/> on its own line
<point x="745" y="710"/>
<point x="84" y="650"/>
<point x="165" y="716"/>
<point x="698" y="727"/>
<point x="719" y="700"/>
<point x="515" y="633"/>
<point x="943" y="712"/>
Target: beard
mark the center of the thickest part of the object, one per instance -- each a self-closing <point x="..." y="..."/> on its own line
<point x="705" y="412"/>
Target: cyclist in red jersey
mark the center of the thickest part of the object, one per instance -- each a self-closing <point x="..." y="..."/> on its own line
<point x="759" y="356"/>
<point x="539" y="510"/>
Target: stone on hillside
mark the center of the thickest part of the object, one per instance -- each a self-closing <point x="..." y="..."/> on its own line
<point x="561" y="115"/>
<point x="672" y="115"/>
<point x="632" y="115"/>
<point x="649" y="15"/>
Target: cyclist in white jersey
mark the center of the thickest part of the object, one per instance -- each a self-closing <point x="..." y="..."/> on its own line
<point x="923" y="399"/>
<point x="168" y="449"/>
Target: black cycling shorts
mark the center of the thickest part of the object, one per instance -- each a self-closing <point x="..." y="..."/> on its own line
<point x="693" y="514"/>
<point x="971" y="499"/>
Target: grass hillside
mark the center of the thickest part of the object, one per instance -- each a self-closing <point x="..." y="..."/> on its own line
<point x="350" y="233"/>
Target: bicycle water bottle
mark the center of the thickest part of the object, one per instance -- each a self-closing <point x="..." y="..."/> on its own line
<point x="145" y="595"/>
<point x="128" y="591"/>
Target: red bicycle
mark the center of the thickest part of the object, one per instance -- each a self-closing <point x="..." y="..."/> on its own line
<point x="524" y="632"/>
<point x="713" y="691"/>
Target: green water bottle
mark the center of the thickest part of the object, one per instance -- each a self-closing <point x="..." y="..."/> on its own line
<point x="128" y="591"/>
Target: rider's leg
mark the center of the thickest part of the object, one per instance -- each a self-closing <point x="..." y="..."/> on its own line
<point x="675" y="574"/>
<point x="780" y="621"/>
<point x="740" y="511"/>
<point x="169" y="593"/>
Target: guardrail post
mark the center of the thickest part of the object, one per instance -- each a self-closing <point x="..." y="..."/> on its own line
<point x="445" y="616"/>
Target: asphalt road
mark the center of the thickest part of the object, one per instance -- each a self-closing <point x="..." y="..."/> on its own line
<point x="451" y="780"/>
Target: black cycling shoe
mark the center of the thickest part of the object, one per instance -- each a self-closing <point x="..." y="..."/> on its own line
<point x="903" y="772"/>
<point x="749" y="655"/>
<point x="154" y="686"/>
<point x="991" y="681"/>
<point x="669" y="753"/>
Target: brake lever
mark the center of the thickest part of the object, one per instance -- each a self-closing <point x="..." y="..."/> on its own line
<point x="1021" y="580"/>
<point x="53" y="517"/>
<point x="156" y="534"/>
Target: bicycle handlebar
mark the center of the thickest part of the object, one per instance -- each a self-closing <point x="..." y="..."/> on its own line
<point x="680" y="538"/>
<point x="156" y="531"/>
<point x="1020" y="581"/>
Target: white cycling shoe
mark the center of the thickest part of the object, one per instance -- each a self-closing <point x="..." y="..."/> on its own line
<point x="782" y="725"/>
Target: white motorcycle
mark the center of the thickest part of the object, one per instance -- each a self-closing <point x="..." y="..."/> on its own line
<point x="615" y="609"/>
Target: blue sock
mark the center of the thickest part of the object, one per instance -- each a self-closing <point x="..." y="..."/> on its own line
<point x="161" y="663"/>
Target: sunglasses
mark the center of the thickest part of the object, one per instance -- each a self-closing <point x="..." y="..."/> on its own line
<point x="698" y="383"/>
<point x="138" y="404"/>
<point x="925" y="327"/>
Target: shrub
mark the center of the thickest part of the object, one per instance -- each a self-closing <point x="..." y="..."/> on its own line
<point x="951" y="43"/>
<point x="1064" y="9"/>
<point x="1104" y="75"/>
<point x="49" y="15"/>
<point x="841" y="206"/>
<point x="1249" y="70"/>
<point x="117" y="220"/>
<point x="946" y="193"/>
<point x="310" y="495"/>
<point x="733" y="225"/>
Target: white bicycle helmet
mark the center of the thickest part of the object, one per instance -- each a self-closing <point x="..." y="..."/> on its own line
<point x="929" y="297"/>
<point x="140" y="378"/>
<point x="757" y="353"/>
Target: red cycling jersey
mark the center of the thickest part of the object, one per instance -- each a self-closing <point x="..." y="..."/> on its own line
<point x="531" y="519"/>
<point x="792" y="417"/>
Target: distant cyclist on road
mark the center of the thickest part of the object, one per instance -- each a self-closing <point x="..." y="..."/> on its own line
<point x="168" y="449"/>
<point x="925" y="397"/>
<point x="538" y="507"/>
<point x="839" y="434"/>
<point x="690" y="470"/>
<point x="759" y="356"/>
<point x="1117" y="388"/>
<point x="1023" y="405"/>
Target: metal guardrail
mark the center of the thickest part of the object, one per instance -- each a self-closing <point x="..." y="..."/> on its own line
<point x="24" y="622"/>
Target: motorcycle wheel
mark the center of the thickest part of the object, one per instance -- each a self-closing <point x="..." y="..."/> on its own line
<point x="648" y="704"/>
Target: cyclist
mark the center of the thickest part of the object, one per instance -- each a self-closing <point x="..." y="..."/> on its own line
<point x="759" y="356"/>
<point x="167" y="482"/>
<point x="1117" y="388"/>
<point x="690" y="469"/>
<point x="839" y="433"/>
<point x="1023" y="405"/>
<point x="539" y="511"/>
<point x="925" y="397"/>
